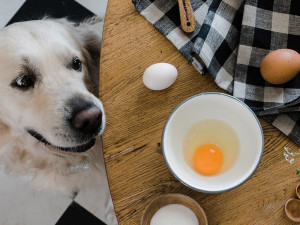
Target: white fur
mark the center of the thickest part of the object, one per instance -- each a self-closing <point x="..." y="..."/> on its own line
<point x="47" y="44"/>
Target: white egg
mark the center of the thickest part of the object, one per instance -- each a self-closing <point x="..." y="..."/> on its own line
<point x="160" y="76"/>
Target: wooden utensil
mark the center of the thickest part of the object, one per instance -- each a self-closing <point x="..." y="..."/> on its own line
<point x="292" y="209"/>
<point x="167" y="199"/>
<point x="187" y="18"/>
<point x="298" y="191"/>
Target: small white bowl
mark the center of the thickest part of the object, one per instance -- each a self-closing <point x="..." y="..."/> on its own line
<point x="213" y="105"/>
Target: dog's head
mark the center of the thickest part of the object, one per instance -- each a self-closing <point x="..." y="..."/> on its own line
<point x="48" y="69"/>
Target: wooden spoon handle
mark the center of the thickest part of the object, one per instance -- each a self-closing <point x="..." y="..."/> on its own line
<point x="187" y="18"/>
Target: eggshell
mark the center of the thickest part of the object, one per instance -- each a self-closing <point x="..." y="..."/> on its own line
<point x="160" y="76"/>
<point x="280" y="66"/>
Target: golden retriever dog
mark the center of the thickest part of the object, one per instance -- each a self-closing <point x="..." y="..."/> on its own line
<point x="50" y="115"/>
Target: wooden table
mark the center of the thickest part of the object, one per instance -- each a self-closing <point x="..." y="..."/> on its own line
<point x="136" y="170"/>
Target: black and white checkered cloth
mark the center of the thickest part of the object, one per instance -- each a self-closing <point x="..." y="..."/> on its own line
<point x="230" y="41"/>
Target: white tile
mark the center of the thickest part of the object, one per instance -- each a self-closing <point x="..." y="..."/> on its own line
<point x="221" y="25"/>
<point x="235" y="4"/>
<point x="284" y="123"/>
<point x="200" y="13"/>
<point x="97" y="7"/>
<point x="223" y="79"/>
<point x="178" y="38"/>
<point x="8" y="9"/>
<point x="249" y="16"/>
<point x="206" y="53"/>
<point x="21" y="204"/>
<point x="280" y="22"/>
<point x="96" y="198"/>
<point x="273" y="94"/>
<point x="152" y="13"/>
<point x="244" y="54"/>
<point x="239" y="90"/>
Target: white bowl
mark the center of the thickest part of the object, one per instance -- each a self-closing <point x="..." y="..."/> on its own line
<point x="212" y="105"/>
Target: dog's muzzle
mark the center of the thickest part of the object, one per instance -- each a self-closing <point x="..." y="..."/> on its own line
<point x="76" y="149"/>
<point x="83" y="121"/>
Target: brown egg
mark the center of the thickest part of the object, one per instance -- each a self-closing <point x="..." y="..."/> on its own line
<point x="280" y="66"/>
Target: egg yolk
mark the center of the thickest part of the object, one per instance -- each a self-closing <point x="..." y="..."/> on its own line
<point x="207" y="159"/>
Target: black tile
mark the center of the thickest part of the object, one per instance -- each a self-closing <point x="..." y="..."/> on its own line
<point x="214" y="67"/>
<point x="173" y="15"/>
<point x="204" y="31"/>
<point x="294" y="116"/>
<point x="256" y="106"/>
<point x="214" y="6"/>
<point x="295" y="7"/>
<point x="223" y="52"/>
<point x="237" y="20"/>
<point x="37" y="9"/>
<point x="265" y="4"/>
<point x="270" y="118"/>
<point x="77" y="215"/>
<point x="254" y="77"/>
<point x="262" y="38"/>
<point x="294" y="83"/>
<point x="293" y="42"/>
<point x="294" y="135"/>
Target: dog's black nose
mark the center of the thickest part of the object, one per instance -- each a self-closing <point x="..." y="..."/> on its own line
<point x="87" y="120"/>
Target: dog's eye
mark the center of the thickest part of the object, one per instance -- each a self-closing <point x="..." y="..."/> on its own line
<point x="24" y="82"/>
<point x="76" y="64"/>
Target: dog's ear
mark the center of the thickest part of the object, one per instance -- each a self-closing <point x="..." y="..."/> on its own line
<point x="89" y="35"/>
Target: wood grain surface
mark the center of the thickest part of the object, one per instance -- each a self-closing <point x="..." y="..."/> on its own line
<point x="136" y="115"/>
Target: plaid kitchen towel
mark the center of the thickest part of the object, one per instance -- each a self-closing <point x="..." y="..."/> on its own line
<point x="231" y="39"/>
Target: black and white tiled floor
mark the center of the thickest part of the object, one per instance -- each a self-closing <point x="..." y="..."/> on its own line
<point x="19" y="202"/>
